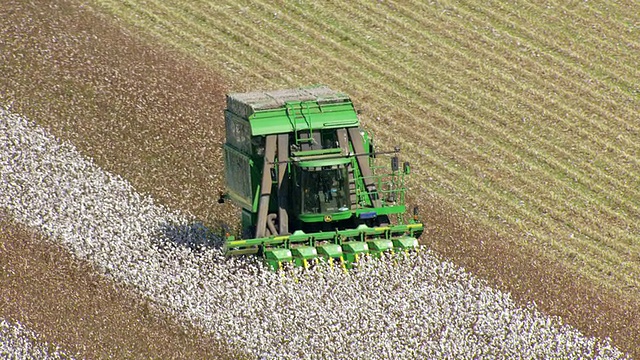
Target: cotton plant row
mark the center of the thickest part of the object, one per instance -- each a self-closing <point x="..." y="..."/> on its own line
<point x="18" y="342"/>
<point x="416" y="306"/>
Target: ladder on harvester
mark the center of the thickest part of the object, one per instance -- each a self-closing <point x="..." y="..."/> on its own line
<point x="299" y="113"/>
<point x="353" y="192"/>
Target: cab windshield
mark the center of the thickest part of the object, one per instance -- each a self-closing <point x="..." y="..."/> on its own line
<point x="324" y="190"/>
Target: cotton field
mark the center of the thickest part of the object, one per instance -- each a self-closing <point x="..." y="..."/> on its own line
<point x="416" y="306"/>
<point x="18" y="342"/>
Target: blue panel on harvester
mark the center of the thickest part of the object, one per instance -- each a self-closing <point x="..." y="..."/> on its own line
<point x="368" y="215"/>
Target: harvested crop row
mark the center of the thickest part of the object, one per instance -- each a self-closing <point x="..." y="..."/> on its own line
<point x="18" y="342"/>
<point x="417" y="307"/>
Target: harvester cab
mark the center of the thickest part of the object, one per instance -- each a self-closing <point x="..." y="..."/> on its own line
<point x="309" y="183"/>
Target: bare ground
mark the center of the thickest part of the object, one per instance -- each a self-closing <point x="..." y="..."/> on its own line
<point x="155" y="117"/>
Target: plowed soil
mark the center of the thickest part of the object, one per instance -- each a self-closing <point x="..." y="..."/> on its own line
<point x="155" y="117"/>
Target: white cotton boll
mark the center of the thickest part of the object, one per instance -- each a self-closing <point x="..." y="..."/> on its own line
<point x="18" y="342"/>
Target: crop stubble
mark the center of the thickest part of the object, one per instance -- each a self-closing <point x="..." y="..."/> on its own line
<point x="82" y="84"/>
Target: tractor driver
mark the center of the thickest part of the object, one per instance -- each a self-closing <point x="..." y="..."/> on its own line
<point x="326" y="185"/>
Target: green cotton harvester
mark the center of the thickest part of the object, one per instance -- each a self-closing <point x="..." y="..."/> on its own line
<point x="310" y="183"/>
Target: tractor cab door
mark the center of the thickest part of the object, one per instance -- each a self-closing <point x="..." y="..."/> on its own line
<point x="321" y="190"/>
